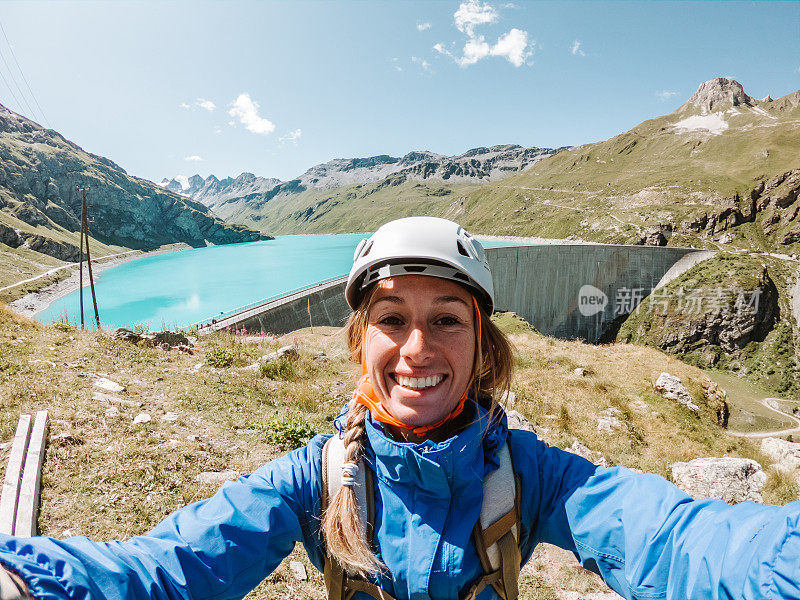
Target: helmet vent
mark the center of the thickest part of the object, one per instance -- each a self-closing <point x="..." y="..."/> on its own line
<point x="461" y="249"/>
<point x="461" y="276"/>
<point x="367" y="248"/>
<point x="415" y="268"/>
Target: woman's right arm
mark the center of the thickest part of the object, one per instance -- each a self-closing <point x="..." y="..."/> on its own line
<point x="217" y="548"/>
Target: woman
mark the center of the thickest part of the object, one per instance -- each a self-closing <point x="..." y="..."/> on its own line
<point x="425" y="424"/>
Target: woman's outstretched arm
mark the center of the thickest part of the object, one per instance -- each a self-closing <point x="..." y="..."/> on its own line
<point x="648" y="539"/>
<point x="217" y="548"/>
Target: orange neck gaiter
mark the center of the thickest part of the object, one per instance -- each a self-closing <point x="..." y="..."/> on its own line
<point x="365" y="394"/>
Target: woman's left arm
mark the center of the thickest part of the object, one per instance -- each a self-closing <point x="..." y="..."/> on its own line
<point x="217" y="548"/>
<point x="649" y="539"/>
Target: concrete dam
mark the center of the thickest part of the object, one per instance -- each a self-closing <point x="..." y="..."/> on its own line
<point x="570" y="291"/>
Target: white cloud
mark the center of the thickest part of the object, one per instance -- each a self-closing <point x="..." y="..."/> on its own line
<point x="292" y="136"/>
<point x="423" y="26"/>
<point x="576" y="49"/>
<point x="396" y="66"/>
<point x="665" y="95"/>
<point x="193" y="158"/>
<point x="184" y="105"/>
<point x="473" y="13"/>
<point x="512" y="45"/>
<point x="421" y="62"/>
<point x="245" y="109"/>
<point x="218" y="129"/>
<point x="205" y="104"/>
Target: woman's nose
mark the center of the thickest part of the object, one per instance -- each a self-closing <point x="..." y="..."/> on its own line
<point x="417" y="345"/>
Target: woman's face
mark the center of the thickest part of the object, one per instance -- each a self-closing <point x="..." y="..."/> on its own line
<point x="419" y="346"/>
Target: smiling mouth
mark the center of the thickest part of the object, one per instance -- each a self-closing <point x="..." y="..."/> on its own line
<point x="418" y="383"/>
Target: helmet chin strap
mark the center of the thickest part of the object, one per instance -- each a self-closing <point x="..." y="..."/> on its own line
<point x="365" y="394"/>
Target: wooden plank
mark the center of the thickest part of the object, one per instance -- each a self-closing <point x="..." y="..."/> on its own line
<point x="28" y="504"/>
<point x="13" y="478"/>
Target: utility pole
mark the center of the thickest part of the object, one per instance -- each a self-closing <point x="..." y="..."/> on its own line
<point x="80" y="267"/>
<point x="85" y="233"/>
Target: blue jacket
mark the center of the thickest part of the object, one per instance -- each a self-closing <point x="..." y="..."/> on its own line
<point x="643" y="535"/>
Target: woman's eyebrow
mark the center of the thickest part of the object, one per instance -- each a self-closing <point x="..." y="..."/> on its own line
<point x="392" y="299"/>
<point x="444" y="299"/>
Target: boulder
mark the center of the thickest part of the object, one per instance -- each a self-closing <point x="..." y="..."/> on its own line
<point x="217" y="477"/>
<point x="161" y="339"/>
<point x="517" y="421"/>
<point x="731" y="479"/>
<point x="590" y="455"/>
<point x="287" y="352"/>
<point x="106" y="384"/>
<point x="142" y="418"/>
<point x="298" y="569"/>
<point x="785" y="455"/>
<point x="671" y="387"/>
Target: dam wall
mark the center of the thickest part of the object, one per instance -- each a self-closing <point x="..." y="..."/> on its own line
<point x="578" y="291"/>
<point x="570" y="291"/>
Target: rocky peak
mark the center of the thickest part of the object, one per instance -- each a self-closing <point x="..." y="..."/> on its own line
<point x="195" y="181"/>
<point x="719" y="90"/>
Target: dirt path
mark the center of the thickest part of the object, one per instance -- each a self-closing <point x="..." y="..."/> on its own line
<point x="774" y="433"/>
<point x="66" y="266"/>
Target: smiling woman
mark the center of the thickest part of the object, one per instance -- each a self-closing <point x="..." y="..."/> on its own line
<point x="424" y="491"/>
<point x="419" y="346"/>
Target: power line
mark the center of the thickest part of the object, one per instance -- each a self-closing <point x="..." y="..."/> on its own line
<point x="13" y="95"/>
<point x="25" y="100"/>
<point x="25" y="79"/>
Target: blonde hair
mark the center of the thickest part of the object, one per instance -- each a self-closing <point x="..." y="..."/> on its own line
<point x="491" y="379"/>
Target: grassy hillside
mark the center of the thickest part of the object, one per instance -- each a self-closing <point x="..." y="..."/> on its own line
<point x="106" y="477"/>
<point x="696" y="317"/>
<point x="40" y="205"/>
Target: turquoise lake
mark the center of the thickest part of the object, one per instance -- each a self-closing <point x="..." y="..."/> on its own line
<point x="177" y="289"/>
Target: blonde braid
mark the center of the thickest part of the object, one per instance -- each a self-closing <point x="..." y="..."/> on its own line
<point x="341" y="522"/>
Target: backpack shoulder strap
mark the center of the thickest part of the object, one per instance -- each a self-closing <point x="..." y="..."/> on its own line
<point x="333" y="453"/>
<point x="496" y="534"/>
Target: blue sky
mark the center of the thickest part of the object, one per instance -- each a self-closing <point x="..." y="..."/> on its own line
<point x="166" y="88"/>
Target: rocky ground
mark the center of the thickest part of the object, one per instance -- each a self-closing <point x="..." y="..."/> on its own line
<point x="143" y="425"/>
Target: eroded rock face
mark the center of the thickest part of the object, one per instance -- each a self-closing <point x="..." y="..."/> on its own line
<point x="671" y="387"/>
<point x="40" y="171"/>
<point x="731" y="479"/>
<point x="718" y="91"/>
<point x="717" y="401"/>
<point x="712" y="315"/>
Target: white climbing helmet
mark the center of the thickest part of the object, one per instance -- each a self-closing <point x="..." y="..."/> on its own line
<point x="421" y="246"/>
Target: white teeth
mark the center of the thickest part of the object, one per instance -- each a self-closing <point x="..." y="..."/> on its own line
<point x="418" y="383"/>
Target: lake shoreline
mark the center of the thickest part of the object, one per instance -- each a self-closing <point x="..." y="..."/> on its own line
<point x="35" y="302"/>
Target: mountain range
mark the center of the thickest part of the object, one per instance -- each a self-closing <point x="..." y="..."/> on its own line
<point x="227" y="196"/>
<point x="40" y="205"/>
<point x="722" y="169"/>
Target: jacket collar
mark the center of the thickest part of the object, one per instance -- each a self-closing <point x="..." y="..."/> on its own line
<point x="460" y="459"/>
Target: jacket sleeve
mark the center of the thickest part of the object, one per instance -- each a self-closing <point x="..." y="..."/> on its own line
<point x="217" y="548"/>
<point x="648" y="539"/>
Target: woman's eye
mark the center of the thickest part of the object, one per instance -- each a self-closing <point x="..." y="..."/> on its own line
<point x="390" y="320"/>
<point x="449" y="321"/>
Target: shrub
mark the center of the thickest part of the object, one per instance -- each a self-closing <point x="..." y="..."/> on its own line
<point x="289" y="432"/>
<point x="219" y="358"/>
<point x="63" y="326"/>
<point x="780" y="488"/>
<point x="280" y="369"/>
